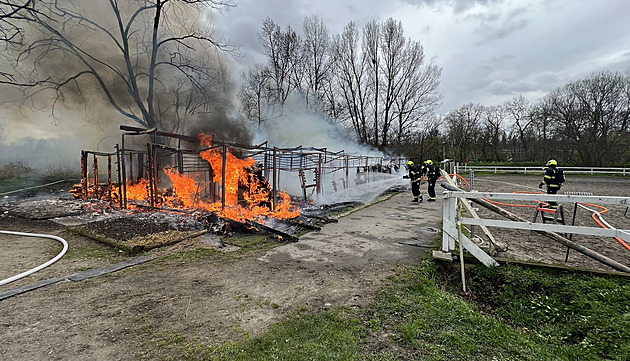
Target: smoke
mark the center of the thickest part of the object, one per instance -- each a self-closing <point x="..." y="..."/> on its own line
<point x="365" y="192"/>
<point x="296" y="126"/>
<point x="83" y="116"/>
<point x="44" y="156"/>
<point x="299" y="127"/>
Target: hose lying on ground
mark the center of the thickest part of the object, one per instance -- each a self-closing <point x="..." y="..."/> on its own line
<point x="42" y="266"/>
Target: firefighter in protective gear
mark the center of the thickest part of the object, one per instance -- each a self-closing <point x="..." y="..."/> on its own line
<point x="415" y="174"/>
<point x="432" y="172"/>
<point x="553" y="179"/>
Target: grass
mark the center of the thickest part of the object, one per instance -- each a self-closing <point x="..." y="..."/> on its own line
<point x="511" y="313"/>
<point x="583" y="315"/>
<point x="12" y="184"/>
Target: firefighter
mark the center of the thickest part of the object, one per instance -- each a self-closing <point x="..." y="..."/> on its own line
<point x="432" y="172"/>
<point x="553" y="179"/>
<point x="415" y="174"/>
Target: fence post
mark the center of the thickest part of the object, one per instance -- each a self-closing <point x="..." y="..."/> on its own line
<point x="449" y="214"/>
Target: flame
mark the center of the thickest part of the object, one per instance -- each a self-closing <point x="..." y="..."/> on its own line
<point x="186" y="187"/>
<point x="247" y="192"/>
<point x="138" y="191"/>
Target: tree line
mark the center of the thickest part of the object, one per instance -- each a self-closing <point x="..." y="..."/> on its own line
<point x="583" y="123"/>
<point x="376" y="83"/>
<point x="372" y="80"/>
<point x="159" y="64"/>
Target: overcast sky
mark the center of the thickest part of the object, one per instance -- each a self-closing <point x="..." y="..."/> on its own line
<point x="489" y="50"/>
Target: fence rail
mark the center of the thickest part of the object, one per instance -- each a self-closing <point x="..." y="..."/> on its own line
<point x="465" y="168"/>
<point x="452" y="233"/>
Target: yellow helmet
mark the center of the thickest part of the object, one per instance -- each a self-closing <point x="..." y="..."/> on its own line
<point x="409" y="163"/>
<point x="429" y="162"/>
<point x="552" y="162"/>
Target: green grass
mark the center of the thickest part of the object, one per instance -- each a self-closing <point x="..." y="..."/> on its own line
<point x="511" y="313"/>
<point x="581" y="314"/>
<point x="333" y="335"/>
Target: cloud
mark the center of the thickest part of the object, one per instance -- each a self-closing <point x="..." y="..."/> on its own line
<point x="507" y="28"/>
<point x="457" y="6"/>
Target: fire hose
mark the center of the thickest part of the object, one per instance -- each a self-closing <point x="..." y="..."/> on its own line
<point x="34" y="187"/>
<point x="43" y="265"/>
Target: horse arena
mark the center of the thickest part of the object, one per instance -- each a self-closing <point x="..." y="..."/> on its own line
<point x="525" y="245"/>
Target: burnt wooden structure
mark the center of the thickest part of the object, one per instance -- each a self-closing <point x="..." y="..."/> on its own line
<point x="143" y="154"/>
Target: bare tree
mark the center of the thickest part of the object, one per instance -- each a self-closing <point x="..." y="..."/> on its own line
<point x="463" y="130"/>
<point x="255" y="94"/>
<point x="418" y="98"/>
<point x="493" y="118"/>
<point x="350" y="75"/>
<point x="518" y="112"/>
<point x="149" y="59"/>
<point x="282" y="49"/>
<point x="317" y="63"/>
<point x="591" y="114"/>
<point x="371" y="39"/>
<point x="375" y="82"/>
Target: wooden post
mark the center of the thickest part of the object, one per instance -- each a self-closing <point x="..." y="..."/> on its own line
<point x="274" y="189"/>
<point x="96" y="192"/>
<point x="223" y="170"/>
<point x="109" y="177"/>
<point x="120" y="180"/>
<point x="84" y="174"/>
<point x="124" y="175"/>
<point x="461" y="255"/>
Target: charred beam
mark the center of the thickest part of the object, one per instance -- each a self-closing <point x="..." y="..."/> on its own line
<point x="259" y="226"/>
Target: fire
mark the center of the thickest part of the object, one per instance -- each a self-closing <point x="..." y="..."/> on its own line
<point x="186" y="187"/>
<point x="235" y="171"/>
<point x="138" y="191"/>
<point x="247" y="192"/>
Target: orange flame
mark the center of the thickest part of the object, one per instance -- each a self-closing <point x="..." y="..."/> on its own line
<point x="138" y="191"/>
<point x="247" y="193"/>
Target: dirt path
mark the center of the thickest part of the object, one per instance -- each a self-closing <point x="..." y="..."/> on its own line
<point x="211" y="298"/>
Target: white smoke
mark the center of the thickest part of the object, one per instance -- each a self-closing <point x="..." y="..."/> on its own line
<point x="299" y="127"/>
<point x="296" y="126"/>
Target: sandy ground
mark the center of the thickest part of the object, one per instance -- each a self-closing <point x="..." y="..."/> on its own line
<point x="213" y="299"/>
<point x="210" y="299"/>
<point x="529" y="246"/>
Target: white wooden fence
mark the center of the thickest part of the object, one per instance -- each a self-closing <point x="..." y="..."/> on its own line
<point x="451" y="233"/>
<point x="464" y="168"/>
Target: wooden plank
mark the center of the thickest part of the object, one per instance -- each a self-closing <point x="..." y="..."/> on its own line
<point x="622" y="201"/>
<point x="559" y="228"/>
<point x="478" y="253"/>
<point x="450" y="229"/>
